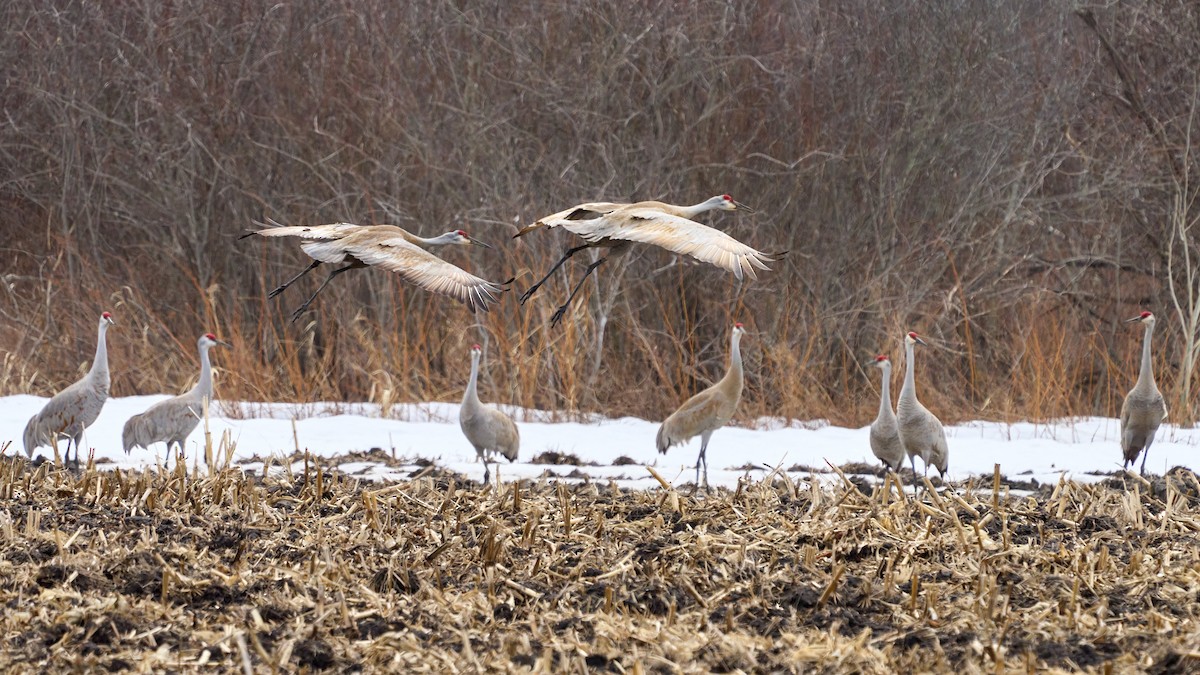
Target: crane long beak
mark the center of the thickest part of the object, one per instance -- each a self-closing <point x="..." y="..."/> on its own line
<point x="1136" y="318"/>
<point x="738" y="206"/>
<point x="479" y="243"/>
<point x="922" y="342"/>
<point x="224" y="344"/>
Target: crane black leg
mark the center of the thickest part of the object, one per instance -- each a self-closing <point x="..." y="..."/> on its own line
<point x="533" y="289"/>
<point x="294" y="279"/>
<point x="558" y="314"/>
<point x="702" y="460"/>
<point x="1145" y="453"/>
<point x="300" y="310"/>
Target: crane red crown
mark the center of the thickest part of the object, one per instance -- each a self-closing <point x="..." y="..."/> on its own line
<point x="738" y="325"/>
<point x="882" y="357"/>
<point x="1146" y="315"/>
<point x="913" y="335"/>
<point x="461" y="233"/>
<point x="106" y="315"/>
<point x="727" y="198"/>
<point x="476" y="348"/>
<point x="210" y="336"/>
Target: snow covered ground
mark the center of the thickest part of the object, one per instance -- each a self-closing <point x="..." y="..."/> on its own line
<point x="1079" y="448"/>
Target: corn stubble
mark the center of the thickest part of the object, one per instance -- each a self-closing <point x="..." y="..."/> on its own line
<point x="309" y="570"/>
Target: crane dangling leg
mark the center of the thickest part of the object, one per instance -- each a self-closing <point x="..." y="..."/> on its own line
<point x="703" y="459"/>
<point x="282" y="287"/>
<point x="558" y="314"/>
<point x="567" y="256"/>
<point x="300" y="310"/>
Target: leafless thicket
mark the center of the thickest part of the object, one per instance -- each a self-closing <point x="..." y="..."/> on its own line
<point x="1008" y="179"/>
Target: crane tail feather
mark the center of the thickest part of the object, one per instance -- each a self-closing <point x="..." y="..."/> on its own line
<point x="529" y="228"/>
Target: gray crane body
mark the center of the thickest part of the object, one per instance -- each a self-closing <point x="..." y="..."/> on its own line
<point x="885" y="431"/>
<point x="1144" y="409"/>
<point x="488" y="429"/>
<point x="921" y="431"/>
<point x="707" y="411"/>
<point x="173" y="420"/>
<point x="75" y="408"/>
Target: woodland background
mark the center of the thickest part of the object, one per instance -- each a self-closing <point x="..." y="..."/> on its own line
<point x="1011" y="179"/>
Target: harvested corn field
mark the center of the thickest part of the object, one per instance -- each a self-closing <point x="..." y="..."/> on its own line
<point x="312" y="571"/>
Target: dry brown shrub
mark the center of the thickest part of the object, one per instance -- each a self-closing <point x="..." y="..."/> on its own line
<point x="972" y="172"/>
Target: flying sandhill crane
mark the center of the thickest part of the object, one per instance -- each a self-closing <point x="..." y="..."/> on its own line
<point x="172" y="420"/>
<point x="390" y="248"/>
<point x="617" y="226"/>
<point x="488" y="429"/>
<point x="707" y="411"/>
<point x="73" y="409"/>
<point x="1144" y="408"/>
<point x="921" y="431"/>
<point x="885" y="432"/>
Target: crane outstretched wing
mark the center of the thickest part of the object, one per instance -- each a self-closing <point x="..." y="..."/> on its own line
<point x="418" y="266"/>
<point x="680" y="235"/>
<point x="588" y="211"/>
<point x="319" y="232"/>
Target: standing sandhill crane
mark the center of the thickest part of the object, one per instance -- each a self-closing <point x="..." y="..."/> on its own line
<point x="885" y="432"/>
<point x="707" y="411"/>
<point x="1143" y="409"/>
<point x="617" y="226"/>
<point x="174" y="419"/>
<point x="390" y="248"/>
<point x="921" y="431"/>
<point x="73" y="409"/>
<point x="488" y="429"/>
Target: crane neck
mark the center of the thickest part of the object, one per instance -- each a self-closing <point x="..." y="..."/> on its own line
<point x="204" y="386"/>
<point x="471" y="395"/>
<point x="735" y="374"/>
<point x="690" y="212"/>
<point x="1146" y="376"/>
<point x="100" y="362"/>
<point x="885" y="393"/>
<point x="432" y="242"/>
<point x="909" y="389"/>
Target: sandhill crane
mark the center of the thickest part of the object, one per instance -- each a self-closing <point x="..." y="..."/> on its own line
<point x="885" y="432"/>
<point x="921" y="431"/>
<point x="390" y="248"/>
<point x="73" y="409"/>
<point x="617" y="226"/>
<point x="1143" y="409"/>
<point x="488" y="429"/>
<point x="172" y="420"/>
<point x="707" y="411"/>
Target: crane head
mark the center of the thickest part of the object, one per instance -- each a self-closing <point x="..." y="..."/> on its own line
<point x="882" y="360"/>
<point x="107" y="320"/>
<point x="476" y="350"/>
<point x="209" y="340"/>
<point x="913" y="338"/>
<point x="461" y="238"/>
<point x="728" y="203"/>
<point x="1144" y="317"/>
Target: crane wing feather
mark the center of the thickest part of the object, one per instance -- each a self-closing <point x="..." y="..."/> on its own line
<point x="420" y="267"/>
<point x="676" y="234"/>
<point x="322" y="232"/>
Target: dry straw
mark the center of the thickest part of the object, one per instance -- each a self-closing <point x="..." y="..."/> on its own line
<point x="309" y="570"/>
